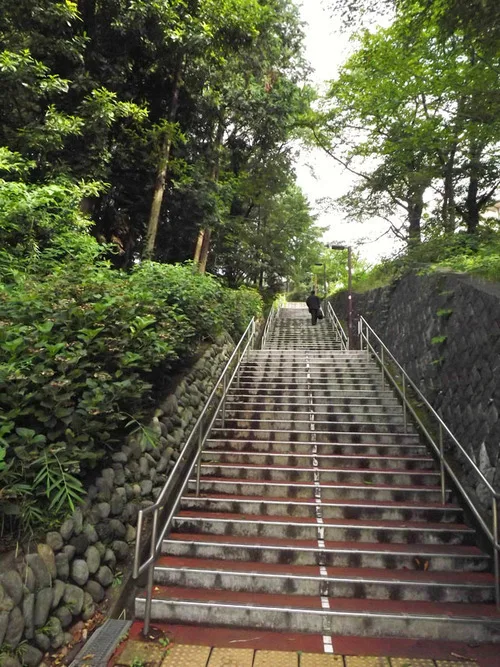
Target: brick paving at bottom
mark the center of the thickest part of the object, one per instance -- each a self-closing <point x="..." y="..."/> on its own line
<point x="200" y="646"/>
<point x="186" y="655"/>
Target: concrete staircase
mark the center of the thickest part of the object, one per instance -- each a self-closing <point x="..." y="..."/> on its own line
<point x="293" y="332"/>
<point x="318" y="513"/>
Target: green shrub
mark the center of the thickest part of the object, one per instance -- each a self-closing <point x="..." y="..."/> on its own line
<point x="79" y="349"/>
<point x="240" y="305"/>
<point x="475" y="254"/>
<point x="83" y="347"/>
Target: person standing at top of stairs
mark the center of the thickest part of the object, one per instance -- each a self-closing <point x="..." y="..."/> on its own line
<point x="313" y="302"/>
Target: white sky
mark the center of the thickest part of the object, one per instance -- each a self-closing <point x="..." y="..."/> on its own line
<point x="319" y="175"/>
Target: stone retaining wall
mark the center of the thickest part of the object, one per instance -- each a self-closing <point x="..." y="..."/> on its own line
<point x="67" y="575"/>
<point x="445" y="331"/>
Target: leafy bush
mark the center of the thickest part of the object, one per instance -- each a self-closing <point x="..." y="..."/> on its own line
<point x="240" y="306"/>
<point x="36" y="216"/>
<point x="82" y="345"/>
<point x="475" y="254"/>
<point x="77" y="351"/>
<point x="478" y="255"/>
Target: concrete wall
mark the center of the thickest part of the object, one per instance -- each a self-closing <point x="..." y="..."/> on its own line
<point x="445" y="331"/>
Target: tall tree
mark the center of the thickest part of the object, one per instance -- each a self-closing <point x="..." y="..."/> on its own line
<point x="411" y="113"/>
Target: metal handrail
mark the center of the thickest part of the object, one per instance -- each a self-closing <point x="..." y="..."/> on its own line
<point x="367" y="335"/>
<point x="344" y="338"/>
<point x="189" y="457"/>
<point x="273" y="313"/>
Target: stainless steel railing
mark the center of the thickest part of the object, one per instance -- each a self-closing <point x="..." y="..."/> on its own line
<point x="374" y="345"/>
<point x="189" y="457"/>
<point x="273" y="314"/>
<point x="332" y="316"/>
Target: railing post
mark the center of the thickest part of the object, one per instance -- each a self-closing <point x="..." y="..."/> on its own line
<point x="405" y="415"/>
<point x="238" y="368"/>
<point x="137" y="549"/>
<point x="441" y="464"/>
<point x="367" y="343"/>
<point x="149" y="588"/>
<point x="223" y="416"/>
<point x="198" y="466"/>
<point x="383" y="366"/>
<point x="496" y="555"/>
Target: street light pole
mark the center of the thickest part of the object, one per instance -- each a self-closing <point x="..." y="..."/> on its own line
<point x="349" y="289"/>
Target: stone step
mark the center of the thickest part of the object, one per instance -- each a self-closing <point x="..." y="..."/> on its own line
<point x="320" y="460"/>
<point x="321" y="372"/>
<point x="335" y="423"/>
<point x="346" y="354"/>
<point x="329" y="490"/>
<point x="428" y="557"/>
<point x="333" y="582"/>
<point x="330" y="436"/>
<point x="315" y="393"/>
<point x="365" y="530"/>
<point x="344" y="385"/>
<point x="336" y="509"/>
<point x="304" y="473"/>
<point x="314" y="375"/>
<point x="298" y="447"/>
<point x="239" y="400"/>
<point x="345" y="616"/>
<point x="303" y="340"/>
<point x="279" y="403"/>
<point x="320" y="414"/>
<point x="340" y="358"/>
<point x="320" y="368"/>
<point x="306" y="447"/>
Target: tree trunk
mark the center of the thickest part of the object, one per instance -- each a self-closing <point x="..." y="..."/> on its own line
<point x="261" y="277"/>
<point x="258" y="258"/>
<point x="199" y="243"/>
<point x="204" y="235"/>
<point x="205" y="247"/>
<point x="87" y="10"/>
<point x="161" y="175"/>
<point x="415" y="208"/>
<point x="448" y="210"/>
<point x="472" y="204"/>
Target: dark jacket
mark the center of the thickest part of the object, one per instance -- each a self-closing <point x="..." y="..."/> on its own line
<point x="313" y="302"/>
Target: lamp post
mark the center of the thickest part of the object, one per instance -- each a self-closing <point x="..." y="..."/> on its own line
<point x="349" y="288"/>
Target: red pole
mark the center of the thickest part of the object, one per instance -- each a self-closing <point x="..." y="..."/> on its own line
<point x="349" y="295"/>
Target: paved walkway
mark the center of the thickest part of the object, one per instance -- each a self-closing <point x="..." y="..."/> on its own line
<point x="195" y="646"/>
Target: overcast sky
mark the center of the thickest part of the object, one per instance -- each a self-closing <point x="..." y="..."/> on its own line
<point x="317" y="174"/>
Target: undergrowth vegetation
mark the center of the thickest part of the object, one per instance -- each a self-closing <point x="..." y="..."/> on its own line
<point x="474" y="254"/>
<point x="83" y="346"/>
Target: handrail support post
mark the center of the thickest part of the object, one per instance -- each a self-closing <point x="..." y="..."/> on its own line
<point x="441" y="465"/>
<point x="405" y="410"/>
<point x="496" y="555"/>
<point x="238" y="364"/>
<point x="198" y="466"/>
<point x="149" y="588"/>
<point x="382" y="362"/>
<point x="223" y="415"/>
